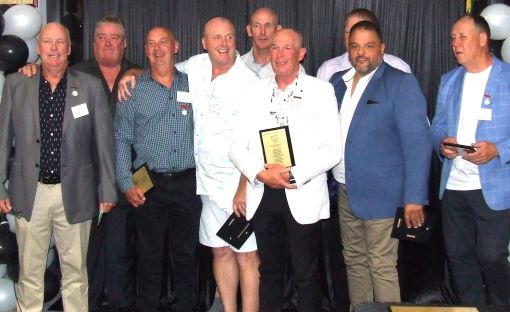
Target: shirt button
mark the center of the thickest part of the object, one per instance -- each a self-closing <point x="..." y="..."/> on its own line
<point x="51" y="153"/>
<point x="37" y="165"/>
<point x="51" y="115"/>
<point x="51" y="98"/>
<point x="51" y="134"/>
<point x="51" y="171"/>
<point x="37" y="141"/>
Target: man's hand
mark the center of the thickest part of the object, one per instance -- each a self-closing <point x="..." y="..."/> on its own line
<point x="275" y="176"/>
<point x="28" y="70"/>
<point x="5" y="205"/>
<point x="127" y="81"/>
<point x="413" y="215"/>
<point x="485" y="151"/>
<point x="449" y="152"/>
<point x="106" y="207"/>
<point x="239" y="202"/>
<point x="135" y="197"/>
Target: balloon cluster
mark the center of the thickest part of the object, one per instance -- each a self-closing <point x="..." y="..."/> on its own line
<point x="9" y="266"/>
<point x="19" y="26"/>
<point x="498" y="17"/>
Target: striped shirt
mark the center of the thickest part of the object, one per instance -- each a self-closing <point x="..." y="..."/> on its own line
<point x="157" y="126"/>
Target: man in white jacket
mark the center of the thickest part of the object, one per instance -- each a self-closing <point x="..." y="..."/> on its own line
<point x="286" y="203"/>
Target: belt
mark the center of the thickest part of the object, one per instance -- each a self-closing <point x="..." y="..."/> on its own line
<point x="49" y="181"/>
<point x="173" y="174"/>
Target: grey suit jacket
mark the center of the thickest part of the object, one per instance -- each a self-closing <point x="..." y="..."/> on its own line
<point x="87" y="170"/>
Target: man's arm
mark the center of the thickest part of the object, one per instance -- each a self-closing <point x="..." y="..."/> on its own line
<point x="124" y="140"/>
<point x="127" y="82"/>
<point x="103" y="129"/>
<point x="412" y="122"/>
<point x="6" y="137"/>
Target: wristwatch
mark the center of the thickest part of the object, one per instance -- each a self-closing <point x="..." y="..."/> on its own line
<point x="291" y="178"/>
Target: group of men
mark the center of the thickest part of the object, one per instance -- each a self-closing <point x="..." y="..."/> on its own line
<point x="197" y="127"/>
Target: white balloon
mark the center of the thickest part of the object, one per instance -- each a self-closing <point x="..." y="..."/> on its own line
<point x="32" y="50"/>
<point x="498" y="17"/>
<point x="12" y="222"/>
<point x="505" y="50"/>
<point x="3" y="270"/>
<point x="22" y="20"/>
<point x="7" y="296"/>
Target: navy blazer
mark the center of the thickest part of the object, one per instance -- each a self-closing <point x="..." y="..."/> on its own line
<point x="387" y="151"/>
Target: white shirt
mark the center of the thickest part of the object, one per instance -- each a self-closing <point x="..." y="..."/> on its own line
<point x="464" y="175"/>
<point x="215" y="110"/>
<point x="251" y="63"/>
<point x="341" y="63"/>
<point x="349" y="104"/>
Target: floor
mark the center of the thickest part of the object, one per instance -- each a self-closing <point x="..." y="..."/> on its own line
<point x="216" y="307"/>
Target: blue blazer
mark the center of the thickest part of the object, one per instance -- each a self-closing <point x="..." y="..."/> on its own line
<point x="388" y="150"/>
<point x="494" y="175"/>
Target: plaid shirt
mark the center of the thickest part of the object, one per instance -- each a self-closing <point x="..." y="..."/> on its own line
<point x="157" y="126"/>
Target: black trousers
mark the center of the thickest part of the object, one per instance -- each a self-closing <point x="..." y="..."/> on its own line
<point x="280" y="237"/>
<point x="110" y="257"/>
<point x="174" y="206"/>
<point x="477" y="239"/>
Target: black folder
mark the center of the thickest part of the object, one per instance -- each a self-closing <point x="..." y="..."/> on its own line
<point x="423" y="234"/>
<point x="235" y="230"/>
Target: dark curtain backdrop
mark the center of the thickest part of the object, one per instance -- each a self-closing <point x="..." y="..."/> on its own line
<point x="415" y="30"/>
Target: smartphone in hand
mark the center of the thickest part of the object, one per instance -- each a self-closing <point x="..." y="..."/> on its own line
<point x="461" y="148"/>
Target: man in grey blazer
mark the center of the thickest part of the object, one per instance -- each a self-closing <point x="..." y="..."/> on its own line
<point x="61" y="168"/>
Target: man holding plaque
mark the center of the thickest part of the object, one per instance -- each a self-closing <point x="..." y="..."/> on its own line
<point x="385" y="163"/>
<point x="157" y="122"/>
<point x="287" y="138"/>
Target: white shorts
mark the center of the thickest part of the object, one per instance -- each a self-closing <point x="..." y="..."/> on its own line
<point x="211" y="220"/>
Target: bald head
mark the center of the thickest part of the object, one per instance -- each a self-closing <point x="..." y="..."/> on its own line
<point x="160" y="48"/>
<point x="286" y="53"/>
<point x="261" y="27"/>
<point x="219" y="40"/>
<point x="214" y="22"/>
<point x="266" y="13"/>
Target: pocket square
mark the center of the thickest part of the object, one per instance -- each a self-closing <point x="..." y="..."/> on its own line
<point x="372" y="102"/>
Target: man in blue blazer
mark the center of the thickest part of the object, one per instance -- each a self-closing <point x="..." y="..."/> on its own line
<point x="473" y="108"/>
<point x="385" y="165"/>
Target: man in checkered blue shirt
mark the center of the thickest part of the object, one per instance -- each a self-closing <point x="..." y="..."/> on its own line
<point x="157" y="122"/>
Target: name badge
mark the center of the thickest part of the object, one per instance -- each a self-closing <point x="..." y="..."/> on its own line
<point x="80" y="110"/>
<point x="184" y="97"/>
<point x="485" y="114"/>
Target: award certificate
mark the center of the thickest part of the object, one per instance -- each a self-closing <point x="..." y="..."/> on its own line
<point x="142" y="178"/>
<point x="277" y="147"/>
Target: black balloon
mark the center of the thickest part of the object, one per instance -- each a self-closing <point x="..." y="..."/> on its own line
<point x="8" y="248"/>
<point x="13" y="53"/>
<point x="2" y="23"/>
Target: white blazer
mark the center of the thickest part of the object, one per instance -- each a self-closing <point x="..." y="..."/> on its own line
<point x="315" y="134"/>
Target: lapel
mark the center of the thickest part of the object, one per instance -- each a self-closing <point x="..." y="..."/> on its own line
<point x="492" y="82"/>
<point x="490" y="91"/>
<point x="73" y="95"/>
<point x="367" y="95"/>
<point x="33" y="100"/>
